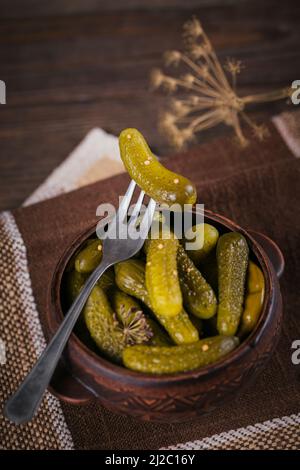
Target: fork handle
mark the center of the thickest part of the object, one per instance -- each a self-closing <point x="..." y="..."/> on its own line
<point x="21" y="406"/>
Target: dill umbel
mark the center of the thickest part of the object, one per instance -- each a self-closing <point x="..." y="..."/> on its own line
<point x="211" y="96"/>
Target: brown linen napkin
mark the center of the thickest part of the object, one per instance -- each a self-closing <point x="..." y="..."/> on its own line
<point x="258" y="188"/>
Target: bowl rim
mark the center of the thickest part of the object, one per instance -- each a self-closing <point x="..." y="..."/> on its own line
<point x="115" y="371"/>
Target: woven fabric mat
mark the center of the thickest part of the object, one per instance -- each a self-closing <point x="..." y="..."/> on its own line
<point x="258" y="187"/>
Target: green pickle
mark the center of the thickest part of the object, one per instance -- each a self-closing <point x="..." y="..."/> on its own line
<point x="126" y="307"/>
<point x="113" y="329"/>
<point x="199" y="298"/>
<point x="174" y="359"/>
<point x="158" y="182"/>
<point x="232" y="258"/>
<point x="89" y="257"/>
<point x="159" y="337"/>
<point x="180" y="328"/>
<point x="130" y="278"/>
<point x="123" y="304"/>
<point x="204" y="238"/>
<point x="71" y="263"/>
<point x="162" y="281"/>
<point x="74" y="283"/>
<point x="107" y="280"/>
<point x="103" y="325"/>
<point x="254" y="298"/>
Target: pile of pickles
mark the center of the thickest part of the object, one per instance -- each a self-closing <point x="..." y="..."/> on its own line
<point x="169" y="309"/>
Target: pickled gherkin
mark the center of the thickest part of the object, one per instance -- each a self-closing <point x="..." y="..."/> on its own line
<point x="162" y="281"/>
<point x="161" y="184"/>
<point x="103" y="325"/>
<point x="254" y="298"/>
<point x="204" y="238"/>
<point x="180" y="328"/>
<point x="159" y="336"/>
<point x="199" y="298"/>
<point x="111" y="335"/>
<point x="74" y="283"/>
<point x="136" y="326"/>
<point x="107" y="280"/>
<point x="130" y="278"/>
<point x="174" y="359"/>
<point x="123" y="304"/>
<point x="89" y="257"/>
<point x="232" y="258"/>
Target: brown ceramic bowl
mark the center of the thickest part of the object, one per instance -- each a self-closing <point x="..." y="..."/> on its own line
<point x="85" y="375"/>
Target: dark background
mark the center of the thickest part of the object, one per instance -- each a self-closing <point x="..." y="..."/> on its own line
<point x="73" y="65"/>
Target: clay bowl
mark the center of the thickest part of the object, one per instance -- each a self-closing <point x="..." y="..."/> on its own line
<point x="85" y="375"/>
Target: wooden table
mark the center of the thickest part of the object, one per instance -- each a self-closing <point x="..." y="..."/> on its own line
<point x="72" y="65"/>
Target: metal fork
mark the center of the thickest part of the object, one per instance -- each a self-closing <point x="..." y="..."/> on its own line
<point x="22" y="405"/>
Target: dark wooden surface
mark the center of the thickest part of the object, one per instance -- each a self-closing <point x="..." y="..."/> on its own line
<point x="73" y="65"/>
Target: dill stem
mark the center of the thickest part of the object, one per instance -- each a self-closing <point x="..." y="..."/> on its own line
<point x="219" y="72"/>
<point x="199" y="87"/>
<point x="267" y="97"/>
<point x="210" y="116"/>
<point x="197" y="69"/>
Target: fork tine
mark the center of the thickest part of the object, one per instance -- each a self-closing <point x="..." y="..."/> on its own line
<point x="123" y="207"/>
<point x="147" y="219"/>
<point x="137" y="207"/>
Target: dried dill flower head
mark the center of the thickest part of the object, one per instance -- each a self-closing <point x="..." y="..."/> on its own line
<point x="134" y="326"/>
<point x="210" y="95"/>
